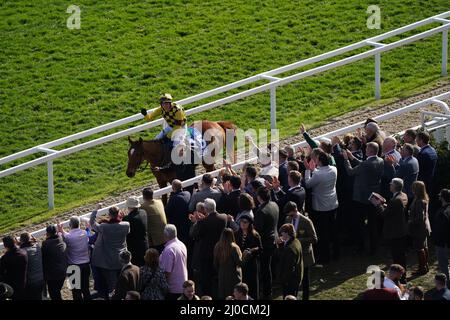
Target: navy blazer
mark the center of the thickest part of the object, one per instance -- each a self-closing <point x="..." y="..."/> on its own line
<point x="283" y="176"/>
<point x="408" y="170"/>
<point x="177" y="213"/>
<point x="296" y="194"/>
<point x="427" y="158"/>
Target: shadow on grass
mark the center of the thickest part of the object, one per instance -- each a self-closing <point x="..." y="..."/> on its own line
<point x="345" y="278"/>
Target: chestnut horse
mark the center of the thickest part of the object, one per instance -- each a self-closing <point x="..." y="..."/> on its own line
<point x="153" y="151"/>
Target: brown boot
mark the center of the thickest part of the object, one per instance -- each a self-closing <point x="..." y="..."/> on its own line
<point x="421" y="256"/>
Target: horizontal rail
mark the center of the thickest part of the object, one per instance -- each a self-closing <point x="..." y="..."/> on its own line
<point x="166" y="190"/>
<point x="265" y="75"/>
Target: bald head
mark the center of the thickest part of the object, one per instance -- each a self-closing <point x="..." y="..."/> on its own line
<point x="176" y="185"/>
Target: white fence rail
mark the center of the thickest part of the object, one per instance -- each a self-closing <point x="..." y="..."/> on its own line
<point x="274" y="82"/>
<point x="435" y="123"/>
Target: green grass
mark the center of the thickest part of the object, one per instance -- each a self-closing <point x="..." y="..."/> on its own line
<point x="345" y="278"/>
<point x="55" y="81"/>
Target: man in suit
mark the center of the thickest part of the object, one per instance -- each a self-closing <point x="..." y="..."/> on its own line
<point x="410" y="137"/>
<point x="391" y="159"/>
<point x="128" y="278"/>
<point x="177" y="210"/>
<point x="206" y="191"/>
<point x="306" y="234"/>
<point x="229" y="202"/>
<point x="137" y="240"/>
<point x="394" y="227"/>
<point x="156" y="220"/>
<point x="207" y="231"/>
<point x="367" y="175"/>
<point x="266" y="223"/>
<point x="407" y="169"/>
<point x="296" y="193"/>
<point x="427" y="158"/>
<point x="111" y="240"/>
<point x="283" y="170"/>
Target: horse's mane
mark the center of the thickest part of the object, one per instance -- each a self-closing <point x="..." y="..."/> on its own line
<point x="153" y="141"/>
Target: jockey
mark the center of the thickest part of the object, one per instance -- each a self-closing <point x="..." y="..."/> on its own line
<point x="176" y="127"/>
<point x="174" y="116"/>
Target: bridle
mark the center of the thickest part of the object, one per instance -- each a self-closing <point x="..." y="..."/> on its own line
<point x="141" y="160"/>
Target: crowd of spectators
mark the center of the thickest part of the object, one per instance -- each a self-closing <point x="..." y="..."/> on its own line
<point x="249" y="235"/>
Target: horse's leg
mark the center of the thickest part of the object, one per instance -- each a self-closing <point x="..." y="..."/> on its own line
<point x="162" y="183"/>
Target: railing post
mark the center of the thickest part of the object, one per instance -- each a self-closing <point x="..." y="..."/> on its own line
<point x="273" y="108"/>
<point x="50" y="186"/>
<point x="444" y="52"/>
<point x="377" y="76"/>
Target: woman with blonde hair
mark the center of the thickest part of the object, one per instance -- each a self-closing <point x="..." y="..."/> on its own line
<point x="419" y="225"/>
<point x="228" y="262"/>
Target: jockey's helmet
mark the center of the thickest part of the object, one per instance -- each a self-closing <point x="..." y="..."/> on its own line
<point x="165" y="97"/>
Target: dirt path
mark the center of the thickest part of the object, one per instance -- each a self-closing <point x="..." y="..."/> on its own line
<point x="391" y="126"/>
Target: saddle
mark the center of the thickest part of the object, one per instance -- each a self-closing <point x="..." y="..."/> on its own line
<point x="195" y="142"/>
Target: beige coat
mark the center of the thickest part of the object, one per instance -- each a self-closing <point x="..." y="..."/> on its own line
<point x="156" y="221"/>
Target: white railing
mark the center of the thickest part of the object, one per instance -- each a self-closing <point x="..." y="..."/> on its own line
<point x="274" y="82"/>
<point x="436" y="100"/>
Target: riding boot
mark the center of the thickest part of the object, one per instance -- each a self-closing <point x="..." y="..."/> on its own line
<point x="167" y="164"/>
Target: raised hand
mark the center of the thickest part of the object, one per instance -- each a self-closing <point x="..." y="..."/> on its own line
<point x="310" y="165"/>
<point x="302" y="128"/>
<point x="335" y="140"/>
<point x="268" y="184"/>
<point x="359" y="132"/>
<point x="344" y="154"/>
<point x="349" y="154"/>
<point x="390" y="159"/>
<point x="276" y="183"/>
<point x="59" y="227"/>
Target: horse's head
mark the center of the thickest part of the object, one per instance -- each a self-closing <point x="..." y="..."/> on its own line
<point x="135" y="156"/>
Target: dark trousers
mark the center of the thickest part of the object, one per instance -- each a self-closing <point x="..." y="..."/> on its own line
<point x="83" y="293"/>
<point x="360" y="213"/>
<point x="305" y="284"/>
<point x="207" y="278"/>
<point x="173" y="296"/>
<point x="398" y="251"/>
<point x="108" y="279"/>
<point x="54" y="288"/>
<point x="324" y="223"/>
<point x="266" y="272"/>
<point x="290" y="289"/>
<point x="33" y="291"/>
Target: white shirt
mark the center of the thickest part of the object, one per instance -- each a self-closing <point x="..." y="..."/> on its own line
<point x="269" y="170"/>
<point x="389" y="284"/>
